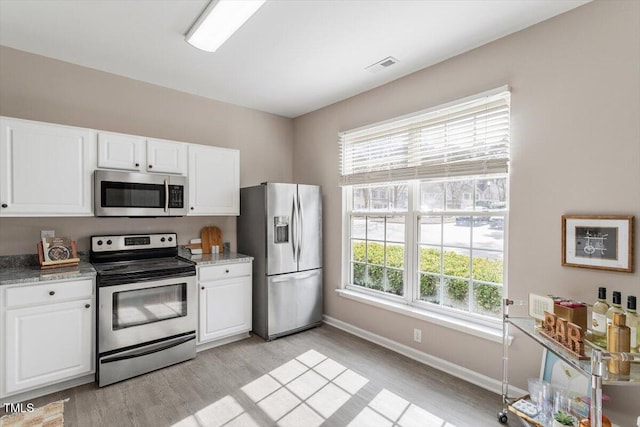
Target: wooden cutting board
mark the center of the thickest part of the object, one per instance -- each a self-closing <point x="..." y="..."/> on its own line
<point x="211" y="236"/>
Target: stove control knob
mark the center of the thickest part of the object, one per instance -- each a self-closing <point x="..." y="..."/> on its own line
<point x="109" y="242"/>
<point x="162" y="239"/>
<point x="171" y="239"/>
<point x="99" y="242"/>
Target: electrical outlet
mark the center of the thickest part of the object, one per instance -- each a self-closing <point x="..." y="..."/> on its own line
<point x="47" y="233"/>
<point x="417" y="335"/>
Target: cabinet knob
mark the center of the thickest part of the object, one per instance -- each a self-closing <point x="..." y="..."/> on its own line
<point x="137" y="164"/>
<point x="150" y="166"/>
<point x="4" y="205"/>
<point x="87" y="305"/>
<point x="52" y="293"/>
<point x="191" y="207"/>
<point x="202" y="288"/>
<point x="227" y="270"/>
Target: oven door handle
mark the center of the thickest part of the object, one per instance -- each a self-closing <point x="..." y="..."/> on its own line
<point x="153" y="348"/>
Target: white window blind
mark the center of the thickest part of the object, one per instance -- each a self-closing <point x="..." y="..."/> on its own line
<point x="466" y="137"/>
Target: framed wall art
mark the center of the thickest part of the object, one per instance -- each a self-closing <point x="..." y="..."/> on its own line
<point x="600" y="242"/>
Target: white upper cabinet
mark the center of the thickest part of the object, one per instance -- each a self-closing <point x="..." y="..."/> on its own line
<point x="119" y="151"/>
<point x="45" y="169"/>
<point x="137" y="153"/>
<point x="214" y="180"/>
<point x="166" y="156"/>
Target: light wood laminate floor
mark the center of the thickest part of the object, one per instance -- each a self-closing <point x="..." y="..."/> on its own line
<point x="322" y="376"/>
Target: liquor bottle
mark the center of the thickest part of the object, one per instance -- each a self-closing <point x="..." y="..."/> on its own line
<point x="586" y="422"/>
<point x="599" y="319"/>
<point x="618" y="341"/>
<point x="633" y="322"/>
<point x="616" y="307"/>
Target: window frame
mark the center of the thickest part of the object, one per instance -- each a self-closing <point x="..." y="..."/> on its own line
<point x="411" y="298"/>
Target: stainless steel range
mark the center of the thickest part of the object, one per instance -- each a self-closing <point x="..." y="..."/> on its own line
<point x="147" y="305"/>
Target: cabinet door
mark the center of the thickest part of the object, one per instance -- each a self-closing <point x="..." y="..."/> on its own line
<point x="47" y="344"/>
<point x="120" y="151"/>
<point x="45" y="169"/>
<point x="214" y="181"/>
<point x="166" y="156"/>
<point x="225" y="308"/>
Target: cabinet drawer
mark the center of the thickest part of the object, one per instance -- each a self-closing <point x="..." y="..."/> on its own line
<point x="53" y="292"/>
<point x="225" y="271"/>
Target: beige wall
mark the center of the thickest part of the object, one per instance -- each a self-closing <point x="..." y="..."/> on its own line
<point x="575" y="83"/>
<point x="38" y="88"/>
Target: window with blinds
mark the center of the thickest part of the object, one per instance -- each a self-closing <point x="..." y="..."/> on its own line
<point x="467" y="137"/>
<point x="425" y="209"/>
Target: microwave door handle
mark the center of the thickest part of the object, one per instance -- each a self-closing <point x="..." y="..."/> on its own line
<point x="166" y="196"/>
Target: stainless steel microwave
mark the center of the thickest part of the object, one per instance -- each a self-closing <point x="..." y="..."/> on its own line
<point x="139" y="194"/>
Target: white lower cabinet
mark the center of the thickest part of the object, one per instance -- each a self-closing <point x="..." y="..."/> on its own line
<point x="225" y="303"/>
<point x="46" y="342"/>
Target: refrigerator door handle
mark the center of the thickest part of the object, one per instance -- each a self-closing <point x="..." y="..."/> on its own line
<point x="294" y="233"/>
<point x="300" y="228"/>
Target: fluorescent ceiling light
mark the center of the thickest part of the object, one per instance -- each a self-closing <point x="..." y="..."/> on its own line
<point x="219" y="21"/>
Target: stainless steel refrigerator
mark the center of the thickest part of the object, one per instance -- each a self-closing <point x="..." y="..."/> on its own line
<point x="280" y="225"/>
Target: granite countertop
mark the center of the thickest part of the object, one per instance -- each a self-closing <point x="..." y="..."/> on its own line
<point x="24" y="269"/>
<point x="213" y="259"/>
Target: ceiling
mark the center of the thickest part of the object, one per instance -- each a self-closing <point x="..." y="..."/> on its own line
<point x="290" y="58"/>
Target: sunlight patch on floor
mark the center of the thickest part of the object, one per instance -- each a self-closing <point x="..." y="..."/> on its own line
<point x="306" y="391"/>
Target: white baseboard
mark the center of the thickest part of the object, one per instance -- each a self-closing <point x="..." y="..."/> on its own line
<point x="222" y="341"/>
<point x="461" y="372"/>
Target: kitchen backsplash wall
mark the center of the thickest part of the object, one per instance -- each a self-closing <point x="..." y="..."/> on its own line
<point x="37" y="88"/>
<point x="20" y="235"/>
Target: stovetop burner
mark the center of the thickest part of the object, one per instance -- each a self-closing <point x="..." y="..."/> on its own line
<point x="136" y="258"/>
<point x="136" y="266"/>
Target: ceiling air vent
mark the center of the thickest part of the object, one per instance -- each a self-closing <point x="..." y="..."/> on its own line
<point x="382" y="64"/>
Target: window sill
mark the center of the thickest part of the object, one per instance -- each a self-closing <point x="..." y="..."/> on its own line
<point x="481" y="331"/>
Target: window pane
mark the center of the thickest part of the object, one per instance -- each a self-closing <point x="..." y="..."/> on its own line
<point x="490" y="236"/>
<point x="398" y="197"/>
<point x="361" y="197"/>
<point x="456" y="263"/>
<point x="488" y="299"/>
<point x="458" y="232"/>
<point x="375" y="277"/>
<point x="358" y="273"/>
<point x="395" y="281"/>
<point x="395" y="255"/>
<point x="430" y="230"/>
<point x="358" y="227"/>
<point x="430" y="259"/>
<point x="491" y="194"/>
<point x="431" y="196"/>
<point x="487" y="266"/>
<point x="379" y="199"/>
<point x="456" y="293"/>
<point x="430" y="288"/>
<point x="459" y="195"/>
<point x="375" y="253"/>
<point x="358" y="250"/>
<point x="375" y="228"/>
<point x="395" y="229"/>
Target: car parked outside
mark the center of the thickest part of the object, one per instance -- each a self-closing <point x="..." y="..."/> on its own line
<point x="496" y="222"/>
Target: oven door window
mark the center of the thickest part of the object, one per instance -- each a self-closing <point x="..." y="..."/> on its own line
<point x="149" y="305"/>
<point x="132" y="195"/>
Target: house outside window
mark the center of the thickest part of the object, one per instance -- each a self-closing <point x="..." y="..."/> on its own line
<point x="426" y="207"/>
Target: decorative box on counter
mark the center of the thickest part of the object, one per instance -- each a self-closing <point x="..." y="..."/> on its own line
<point x="572" y="311"/>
